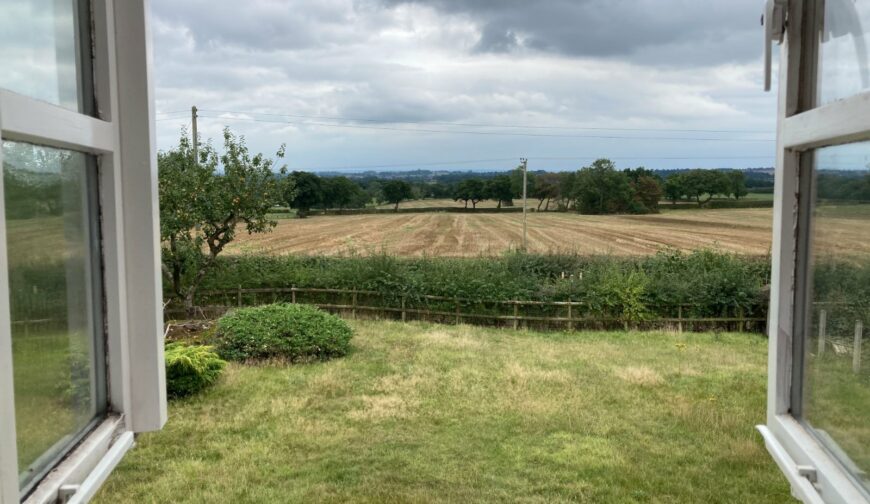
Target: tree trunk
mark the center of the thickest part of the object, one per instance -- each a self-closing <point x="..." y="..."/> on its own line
<point x="397" y="207"/>
<point x="547" y="206"/>
<point x="499" y="204"/>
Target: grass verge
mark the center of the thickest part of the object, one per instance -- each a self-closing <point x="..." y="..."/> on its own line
<point x="428" y="413"/>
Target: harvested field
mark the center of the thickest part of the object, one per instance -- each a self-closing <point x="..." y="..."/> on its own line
<point x="747" y="231"/>
<point x="441" y="234"/>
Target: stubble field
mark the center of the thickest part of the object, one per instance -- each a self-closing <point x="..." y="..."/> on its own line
<point x="841" y="229"/>
<point x="746" y="231"/>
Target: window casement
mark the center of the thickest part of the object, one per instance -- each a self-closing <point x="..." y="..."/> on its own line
<point x="81" y="355"/>
<point x="818" y="412"/>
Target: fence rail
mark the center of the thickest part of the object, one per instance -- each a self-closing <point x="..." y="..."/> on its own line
<point x="568" y="315"/>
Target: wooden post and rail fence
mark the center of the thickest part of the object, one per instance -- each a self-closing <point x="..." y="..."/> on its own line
<point x="567" y="315"/>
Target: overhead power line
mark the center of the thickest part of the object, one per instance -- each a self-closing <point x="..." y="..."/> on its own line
<point x="516" y="162"/>
<point x="487" y="133"/>
<point x="482" y="125"/>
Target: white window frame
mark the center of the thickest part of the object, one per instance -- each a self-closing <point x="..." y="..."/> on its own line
<point x="814" y="474"/>
<point x="122" y="138"/>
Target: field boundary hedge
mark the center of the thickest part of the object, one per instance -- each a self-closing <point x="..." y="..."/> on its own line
<point x="568" y="315"/>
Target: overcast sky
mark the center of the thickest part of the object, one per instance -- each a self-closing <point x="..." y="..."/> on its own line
<point x="344" y="82"/>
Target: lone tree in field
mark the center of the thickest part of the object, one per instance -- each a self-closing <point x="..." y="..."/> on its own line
<point x="699" y="183"/>
<point x="473" y="190"/>
<point x="201" y="208"/>
<point x="396" y="191"/>
<point x="303" y="191"/>
<point x="738" y="184"/>
<point x="499" y="189"/>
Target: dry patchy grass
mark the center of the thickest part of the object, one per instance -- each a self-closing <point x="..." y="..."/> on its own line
<point x="428" y="413"/>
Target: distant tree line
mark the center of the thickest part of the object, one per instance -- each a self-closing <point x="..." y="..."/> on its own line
<point x="599" y="188"/>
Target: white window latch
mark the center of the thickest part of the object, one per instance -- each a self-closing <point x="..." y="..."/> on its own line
<point x="66" y="492"/>
<point x="808" y="472"/>
<point x="773" y="21"/>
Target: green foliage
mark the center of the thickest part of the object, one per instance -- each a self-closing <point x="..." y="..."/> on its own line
<point x="307" y="192"/>
<point x="76" y="389"/>
<point x="546" y="188"/>
<point x="191" y="368"/>
<point x="737" y="182"/>
<point x="287" y="331"/>
<point x="396" y="191"/>
<point x="711" y="281"/>
<point x="473" y="190"/>
<point x="499" y="189"/>
<point x="341" y="193"/>
<point x="622" y="292"/>
<point x="517" y="182"/>
<point x="700" y="185"/>
<point x="603" y="190"/>
<point x="202" y="208"/>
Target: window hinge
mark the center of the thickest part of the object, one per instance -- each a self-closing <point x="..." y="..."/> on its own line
<point x="774" y="21"/>
<point x="66" y="492"/>
<point x="808" y="472"/>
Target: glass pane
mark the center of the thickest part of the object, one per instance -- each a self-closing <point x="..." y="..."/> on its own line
<point x="844" y="66"/>
<point x="836" y="393"/>
<point x="39" y="54"/>
<point x="55" y="349"/>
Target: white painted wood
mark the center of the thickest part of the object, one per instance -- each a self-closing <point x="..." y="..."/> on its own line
<point x="791" y="443"/>
<point x="29" y="120"/>
<point x="111" y="194"/>
<point x="138" y="165"/>
<point x="833" y="485"/>
<point x="81" y="462"/>
<point x="783" y="247"/>
<point x="98" y="476"/>
<point x="842" y="121"/>
<point x="8" y="447"/>
<point x="802" y="488"/>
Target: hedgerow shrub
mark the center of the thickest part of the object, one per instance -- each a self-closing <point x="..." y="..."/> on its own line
<point x="191" y="368"/>
<point x="630" y="288"/>
<point x="287" y="331"/>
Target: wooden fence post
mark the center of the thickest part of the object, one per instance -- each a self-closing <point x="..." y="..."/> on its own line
<point x="293" y="294"/>
<point x="516" y="315"/>
<point x="823" y="329"/>
<point x="353" y="305"/>
<point x="239" y="296"/>
<point x="456" y="300"/>
<point x="680" y="318"/>
<point x="742" y="321"/>
<point x="570" y="316"/>
<point x="856" y="353"/>
<point x="403" y="308"/>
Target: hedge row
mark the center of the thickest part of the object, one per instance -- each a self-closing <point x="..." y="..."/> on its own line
<point x="713" y="282"/>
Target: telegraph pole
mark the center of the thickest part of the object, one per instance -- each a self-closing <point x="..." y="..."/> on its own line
<point x="195" y="138"/>
<point x="525" y="164"/>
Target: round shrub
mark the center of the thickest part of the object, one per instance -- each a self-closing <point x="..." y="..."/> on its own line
<point x="191" y="368"/>
<point x="287" y="331"/>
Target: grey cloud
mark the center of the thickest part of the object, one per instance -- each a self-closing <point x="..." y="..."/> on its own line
<point x="619" y="28"/>
<point x="496" y="39"/>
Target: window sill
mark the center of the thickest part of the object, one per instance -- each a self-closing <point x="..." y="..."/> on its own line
<point x="791" y="446"/>
<point x="87" y="466"/>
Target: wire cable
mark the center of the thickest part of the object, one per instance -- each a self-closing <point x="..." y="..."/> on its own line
<point x="490" y="133"/>
<point x="514" y="126"/>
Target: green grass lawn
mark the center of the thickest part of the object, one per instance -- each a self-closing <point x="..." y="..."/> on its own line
<point x="429" y="413"/>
